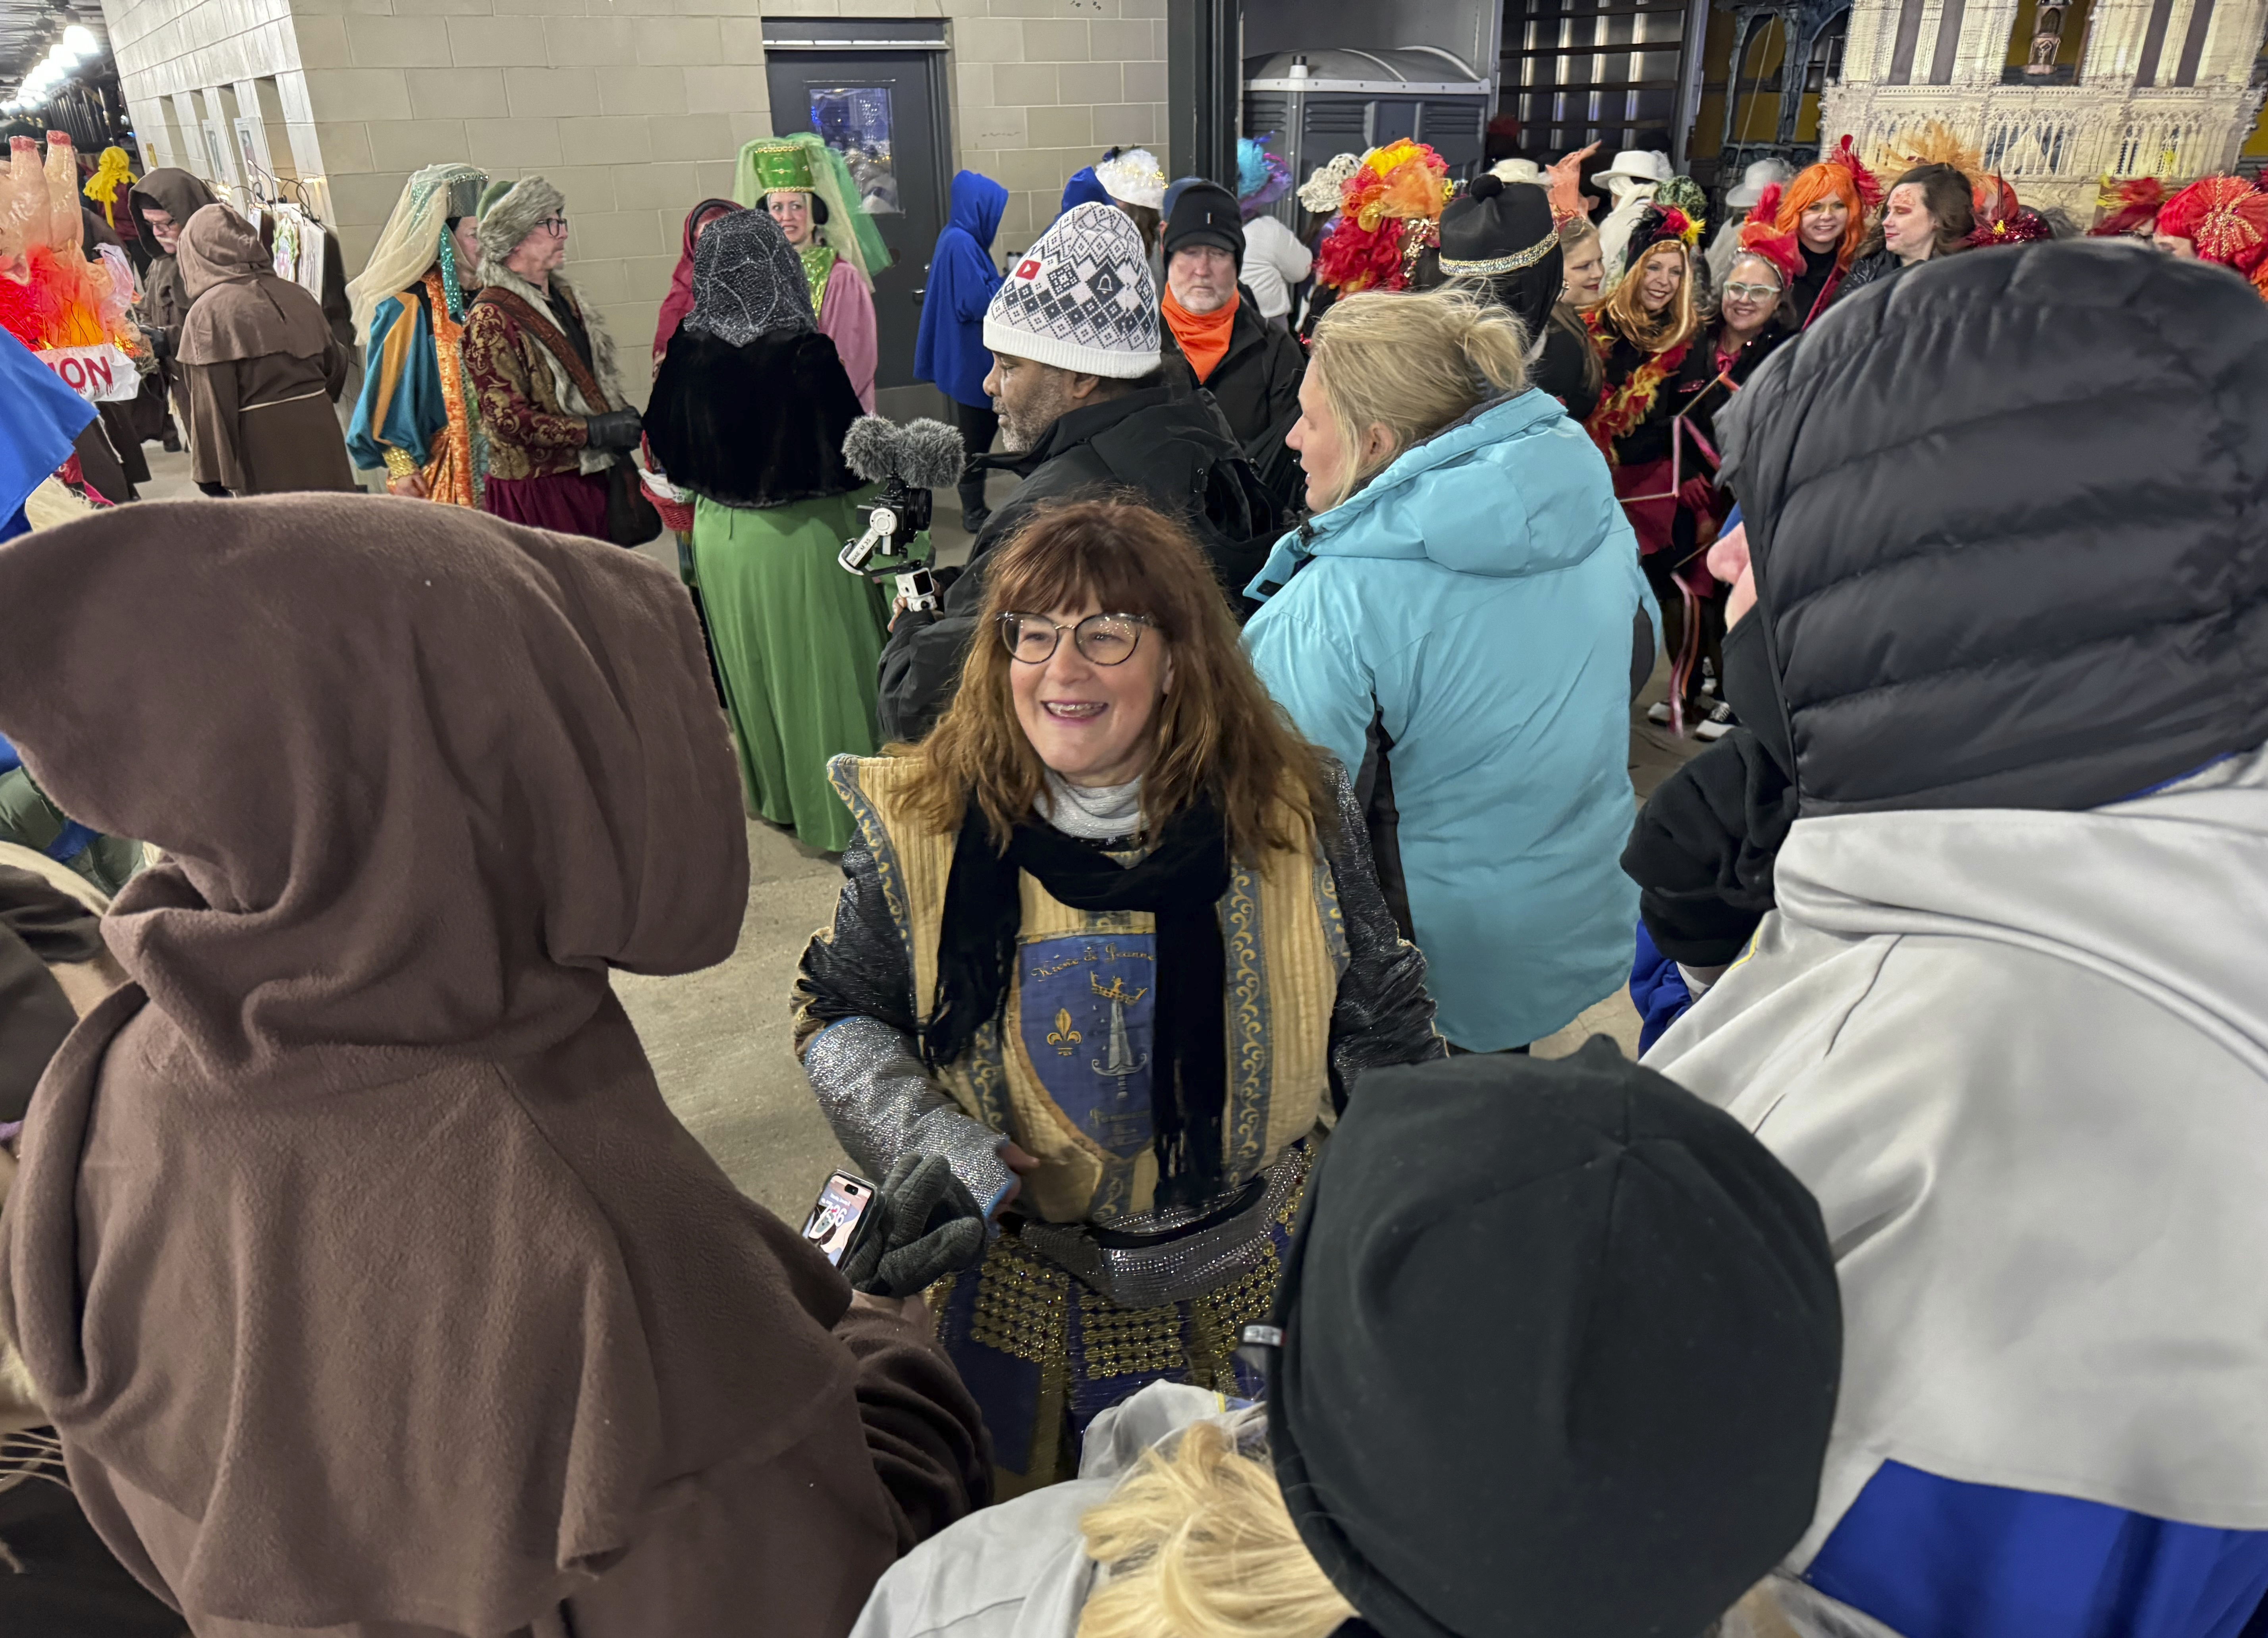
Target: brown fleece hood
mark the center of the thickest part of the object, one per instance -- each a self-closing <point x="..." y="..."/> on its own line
<point x="366" y="1272"/>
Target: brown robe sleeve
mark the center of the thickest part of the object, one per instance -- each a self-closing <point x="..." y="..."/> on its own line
<point x="805" y="1536"/>
<point x="924" y="1431"/>
<point x="214" y="393"/>
<point x="336" y="356"/>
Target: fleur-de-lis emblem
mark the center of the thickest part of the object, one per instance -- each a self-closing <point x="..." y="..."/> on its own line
<point x="1063" y="1037"/>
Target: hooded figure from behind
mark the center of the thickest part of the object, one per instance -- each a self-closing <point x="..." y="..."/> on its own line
<point x="260" y="368"/>
<point x="950" y="348"/>
<point x="2006" y="1019"/>
<point x="368" y="1279"/>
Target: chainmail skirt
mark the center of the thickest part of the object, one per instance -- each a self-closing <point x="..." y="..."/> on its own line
<point x="1045" y="1352"/>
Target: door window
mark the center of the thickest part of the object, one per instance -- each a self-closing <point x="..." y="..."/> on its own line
<point x="855" y="121"/>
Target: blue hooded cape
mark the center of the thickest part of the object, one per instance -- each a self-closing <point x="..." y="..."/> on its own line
<point x="949" y="348"/>
<point x="40" y="420"/>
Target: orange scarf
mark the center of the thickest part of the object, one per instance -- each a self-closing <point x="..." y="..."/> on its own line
<point x="1203" y="336"/>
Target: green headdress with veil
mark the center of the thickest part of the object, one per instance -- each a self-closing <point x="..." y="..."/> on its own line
<point x="801" y="163"/>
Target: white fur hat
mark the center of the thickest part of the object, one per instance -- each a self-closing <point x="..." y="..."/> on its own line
<point x="1133" y="176"/>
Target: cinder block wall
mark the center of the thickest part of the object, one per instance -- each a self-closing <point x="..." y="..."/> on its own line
<point x="1043" y="86"/>
<point x="635" y="108"/>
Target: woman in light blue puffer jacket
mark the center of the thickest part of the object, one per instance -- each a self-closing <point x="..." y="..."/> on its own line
<point x="1460" y="622"/>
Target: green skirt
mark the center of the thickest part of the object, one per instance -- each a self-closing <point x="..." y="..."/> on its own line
<point x="797" y="642"/>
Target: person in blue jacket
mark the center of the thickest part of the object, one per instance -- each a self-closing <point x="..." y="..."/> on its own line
<point x="41" y="419"/>
<point x="1458" y="621"/>
<point x="949" y="350"/>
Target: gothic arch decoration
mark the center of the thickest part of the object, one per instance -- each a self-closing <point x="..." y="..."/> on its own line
<point x="1807" y="27"/>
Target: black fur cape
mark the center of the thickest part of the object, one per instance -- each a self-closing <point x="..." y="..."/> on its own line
<point x="755" y="426"/>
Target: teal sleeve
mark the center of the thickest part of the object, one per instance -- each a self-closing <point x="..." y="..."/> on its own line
<point x="415" y="411"/>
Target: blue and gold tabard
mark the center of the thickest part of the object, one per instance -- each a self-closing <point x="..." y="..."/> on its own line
<point x="1067" y="1071"/>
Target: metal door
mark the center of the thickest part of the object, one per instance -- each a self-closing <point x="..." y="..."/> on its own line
<point x="882" y="110"/>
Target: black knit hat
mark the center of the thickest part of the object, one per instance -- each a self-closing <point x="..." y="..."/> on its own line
<point x="1563" y="1346"/>
<point x="1206" y="213"/>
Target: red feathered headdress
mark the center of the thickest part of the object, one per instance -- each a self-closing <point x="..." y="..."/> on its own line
<point x="1845" y="157"/>
<point x="1760" y="236"/>
<point x="2225" y="217"/>
<point x="2134" y="206"/>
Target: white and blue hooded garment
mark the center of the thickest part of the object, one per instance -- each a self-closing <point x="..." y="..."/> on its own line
<point x="2008" y="1021"/>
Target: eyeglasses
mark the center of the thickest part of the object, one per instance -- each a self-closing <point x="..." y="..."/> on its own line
<point x="1748" y="293"/>
<point x="1105" y="639"/>
<point x="555" y="225"/>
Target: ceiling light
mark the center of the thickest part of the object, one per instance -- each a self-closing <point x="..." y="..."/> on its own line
<point x="81" y="40"/>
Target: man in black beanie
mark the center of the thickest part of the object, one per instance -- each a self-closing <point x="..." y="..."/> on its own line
<point x="1561" y="1351"/>
<point x="1215" y="337"/>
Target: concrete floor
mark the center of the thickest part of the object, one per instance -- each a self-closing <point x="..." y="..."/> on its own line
<point x="720" y="1039"/>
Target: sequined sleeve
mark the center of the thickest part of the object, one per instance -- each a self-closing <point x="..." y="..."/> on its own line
<point x="1383" y="1014"/>
<point x="854" y="1031"/>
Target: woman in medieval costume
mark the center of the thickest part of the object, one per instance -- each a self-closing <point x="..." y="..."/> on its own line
<point x="542" y="369"/>
<point x="416" y="415"/>
<point x="260" y="366"/>
<point x="748" y="412"/>
<point x="1111" y="941"/>
<point x="1829" y="207"/>
<point x="808" y="190"/>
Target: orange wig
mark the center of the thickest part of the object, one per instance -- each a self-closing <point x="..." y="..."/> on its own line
<point x="1815" y="183"/>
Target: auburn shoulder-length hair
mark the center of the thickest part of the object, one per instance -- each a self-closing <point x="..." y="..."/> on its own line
<point x="1814" y="184"/>
<point x="1624" y="311"/>
<point x="1216" y="732"/>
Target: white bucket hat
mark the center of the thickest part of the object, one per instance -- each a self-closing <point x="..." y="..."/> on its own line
<point x="1517" y="171"/>
<point x="1759" y="175"/>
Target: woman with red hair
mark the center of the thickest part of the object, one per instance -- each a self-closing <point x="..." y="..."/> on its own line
<point x="1828" y="207"/>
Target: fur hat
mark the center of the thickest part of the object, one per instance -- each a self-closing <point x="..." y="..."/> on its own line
<point x="513" y="216"/>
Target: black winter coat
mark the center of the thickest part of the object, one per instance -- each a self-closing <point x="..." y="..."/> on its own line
<point x="1256" y="384"/>
<point x="2006" y="516"/>
<point x="1176" y="453"/>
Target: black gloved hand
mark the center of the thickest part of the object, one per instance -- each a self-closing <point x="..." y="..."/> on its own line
<point x="931" y="1225"/>
<point x="161" y="342"/>
<point x="617" y="429"/>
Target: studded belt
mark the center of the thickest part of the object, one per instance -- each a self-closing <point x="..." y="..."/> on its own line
<point x="1178" y="1254"/>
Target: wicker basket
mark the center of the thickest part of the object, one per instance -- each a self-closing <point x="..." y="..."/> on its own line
<point x="674" y="505"/>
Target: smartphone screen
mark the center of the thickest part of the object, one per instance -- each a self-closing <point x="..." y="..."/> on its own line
<point x="834" y="1216"/>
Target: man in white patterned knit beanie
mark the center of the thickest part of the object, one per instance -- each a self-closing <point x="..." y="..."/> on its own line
<point x="1075" y="316"/>
<point x="1085" y="409"/>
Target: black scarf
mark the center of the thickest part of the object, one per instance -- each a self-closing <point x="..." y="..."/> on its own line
<point x="1181" y="883"/>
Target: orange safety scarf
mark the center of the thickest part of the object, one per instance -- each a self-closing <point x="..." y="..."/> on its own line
<point x="1203" y="336"/>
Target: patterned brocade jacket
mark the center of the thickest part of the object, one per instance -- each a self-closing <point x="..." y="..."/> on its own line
<point x="531" y="434"/>
<point x="1321" y="987"/>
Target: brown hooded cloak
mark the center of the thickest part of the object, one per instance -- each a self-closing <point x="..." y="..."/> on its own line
<point x="164" y="304"/>
<point x="365" y="1273"/>
<point x="260" y="367"/>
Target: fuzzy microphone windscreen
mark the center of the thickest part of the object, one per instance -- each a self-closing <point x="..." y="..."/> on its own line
<point x="871" y="449"/>
<point x="929" y="454"/>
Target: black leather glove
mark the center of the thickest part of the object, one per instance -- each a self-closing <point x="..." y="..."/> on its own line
<point x="931" y="1225"/>
<point x="617" y="429"/>
<point x="161" y="342"/>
